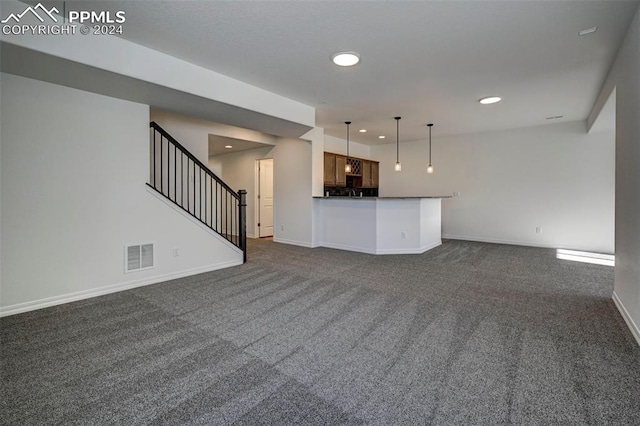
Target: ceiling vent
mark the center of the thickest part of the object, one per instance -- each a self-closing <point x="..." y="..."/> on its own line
<point x="138" y="257"/>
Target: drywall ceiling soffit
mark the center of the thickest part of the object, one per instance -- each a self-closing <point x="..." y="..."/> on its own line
<point x="217" y="145"/>
<point x="40" y="66"/>
<point x="426" y="61"/>
<point x="606" y="119"/>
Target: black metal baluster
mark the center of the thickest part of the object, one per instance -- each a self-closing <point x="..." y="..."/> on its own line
<point x="161" y="179"/>
<point x="194" y="188"/>
<point x="242" y="222"/>
<point x="226" y="215"/>
<point x="154" y="158"/>
<point x="188" y="208"/>
<point x="217" y="204"/>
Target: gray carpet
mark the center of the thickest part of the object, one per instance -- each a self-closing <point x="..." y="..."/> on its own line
<point x="468" y="334"/>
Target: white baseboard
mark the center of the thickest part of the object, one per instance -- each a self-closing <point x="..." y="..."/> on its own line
<point x="112" y="288"/>
<point x="410" y="251"/>
<point x="347" y="248"/>
<point x="508" y="242"/>
<point x="368" y="250"/>
<point x="496" y="241"/>
<point x="627" y="318"/>
<point x="292" y="242"/>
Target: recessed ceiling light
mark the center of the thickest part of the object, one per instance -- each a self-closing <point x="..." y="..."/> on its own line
<point x="228" y="146"/>
<point x="346" y="59"/>
<point x="382" y="137"/>
<point x="363" y="130"/>
<point x="490" y="100"/>
<point x="588" y="31"/>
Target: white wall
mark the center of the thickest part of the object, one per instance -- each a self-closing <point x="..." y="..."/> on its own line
<point x="193" y="133"/>
<point x="624" y="78"/>
<point x="556" y="177"/>
<point x="73" y="174"/>
<point x="238" y="170"/>
<point x="292" y="188"/>
<point x="292" y="162"/>
<point x="293" y="202"/>
<point x="339" y="146"/>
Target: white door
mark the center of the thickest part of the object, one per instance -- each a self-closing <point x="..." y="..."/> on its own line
<point x="265" y="198"/>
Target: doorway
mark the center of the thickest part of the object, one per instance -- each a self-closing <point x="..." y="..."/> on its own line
<point x="265" y="198"/>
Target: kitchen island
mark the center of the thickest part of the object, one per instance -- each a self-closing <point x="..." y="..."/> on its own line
<point x="379" y="225"/>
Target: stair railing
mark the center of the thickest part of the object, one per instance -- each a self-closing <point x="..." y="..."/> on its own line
<point x="183" y="179"/>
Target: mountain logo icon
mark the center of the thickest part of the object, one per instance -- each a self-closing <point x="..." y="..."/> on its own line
<point x="34" y="12"/>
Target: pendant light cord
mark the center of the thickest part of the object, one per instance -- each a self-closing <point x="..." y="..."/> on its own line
<point x="429" y="126"/>
<point x="347" y="123"/>
<point x="398" y="139"/>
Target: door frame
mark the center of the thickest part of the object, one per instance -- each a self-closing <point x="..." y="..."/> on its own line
<point x="256" y="228"/>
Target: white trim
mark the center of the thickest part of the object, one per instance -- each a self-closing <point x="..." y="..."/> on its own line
<point x="292" y="242"/>
<point x="379" y="251"/>
<point x="627" y="318"/>
<point x="112" y="288"/>
<point x="347" y="248"/>
<point x="508" y="242"/>
<point x="256" y="202"/>
<point x="188" y="216"/>
<point x="420" y="250"/>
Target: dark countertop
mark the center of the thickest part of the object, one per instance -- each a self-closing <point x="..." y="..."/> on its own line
<point x="383" y="198"/>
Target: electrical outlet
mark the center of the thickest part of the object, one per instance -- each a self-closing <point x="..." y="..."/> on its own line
<point x="282" y="227"/>
<point x="403" y="234"/>
<point x="456" y="193"/>
<point x="538" y="229"/>
<point x="176" y="252"/>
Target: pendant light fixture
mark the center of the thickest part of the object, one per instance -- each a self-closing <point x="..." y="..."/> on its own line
<point x="347" y="166"/>
<point x="398" y="165"/>
<point x="430" y="168"/>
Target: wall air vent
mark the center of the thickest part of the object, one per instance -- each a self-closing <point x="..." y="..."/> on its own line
<point x="138" y="257"/>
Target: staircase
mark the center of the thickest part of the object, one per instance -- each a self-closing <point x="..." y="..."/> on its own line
<point x="180" y="177"/>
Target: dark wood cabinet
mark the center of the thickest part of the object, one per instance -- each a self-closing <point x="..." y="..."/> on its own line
<point x="329" y="169"/>
<point x="334" y="174"/>
<point x="370" y="172"/>
<point x="364" y="173"/>
<point x="375" y="173"/>
<point x="341" y="176"/>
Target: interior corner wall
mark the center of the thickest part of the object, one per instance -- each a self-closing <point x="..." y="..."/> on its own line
<point x="73" y="195"/>
<point x="292" y="186"/>
<point x="624" y="77"/>
<point x="316" y="137"/>
<point x="339" y="146"/>
<point x="292" y="191"/>
<point x="238" y="170"/>
<point x="194" y="133"/>
<point x="556" y="177"/>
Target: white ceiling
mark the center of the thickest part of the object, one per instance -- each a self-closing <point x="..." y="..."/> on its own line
<point x="427" y="61"/>
<point x="217" y="145"/>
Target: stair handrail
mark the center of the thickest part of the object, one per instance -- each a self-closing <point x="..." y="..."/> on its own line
<point x="193" y="158"/>
<point x="238" y="200"/>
